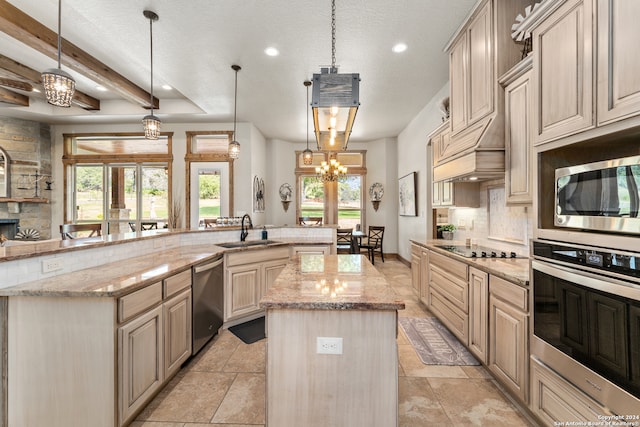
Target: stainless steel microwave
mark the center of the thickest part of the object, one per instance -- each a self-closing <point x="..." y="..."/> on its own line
<point x="601" y="196"/>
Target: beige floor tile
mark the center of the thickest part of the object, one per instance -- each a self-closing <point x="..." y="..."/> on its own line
<point x="418" y="406"/>
<point x="475" y="402"/>
<point x="193" y="397"/>
<point x="413" y="366"/>
<point x="215" y="355"/>
<point x="476" y="371"/>
<point x="245" y="401"/>
<point x="248" y="358"/>
<point x="155" y="424"/>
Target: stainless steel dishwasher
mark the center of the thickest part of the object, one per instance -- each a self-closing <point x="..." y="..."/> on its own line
<point x="208" y="302"/>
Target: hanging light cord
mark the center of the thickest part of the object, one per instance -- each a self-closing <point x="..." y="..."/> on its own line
<point x="235" y="106"/>
<point x="305" y="83"/>
<point x="333" y="35"/>
<point x="151" y="43"/>
<point x="59" y="29"/>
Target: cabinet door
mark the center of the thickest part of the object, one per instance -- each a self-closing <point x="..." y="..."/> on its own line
<point x="480" y="79"/>
<point x="271" y="271"/>
<point x="141" y="368"/>
<point x="618" y="79"/>
<point x="424" y="277"/>
<point x="508" y="345"/>
<point x="457" y="76"/>
<point x="478" y="313"/>
<point x="563" y="72"/>
<point x="518" y="176"/>
<point x="242" y="290"/>
<point x="177" y="332"/>
<point x="415" y="271"/>
<point x="436" y="194"/>
<point x="446" y="193"/>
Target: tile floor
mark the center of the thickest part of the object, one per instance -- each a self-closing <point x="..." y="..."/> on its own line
<point x="224" y="384"/>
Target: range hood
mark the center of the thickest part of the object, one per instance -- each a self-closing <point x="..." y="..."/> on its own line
<point x="475" y="154"/>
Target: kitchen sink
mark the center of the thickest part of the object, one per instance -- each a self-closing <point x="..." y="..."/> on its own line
<point x="246" y="244"/>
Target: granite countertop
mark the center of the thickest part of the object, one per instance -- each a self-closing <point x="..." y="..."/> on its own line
<point x="331" y="282"/>
<point x="515" y="270"/>
<point x="123" y="277"/>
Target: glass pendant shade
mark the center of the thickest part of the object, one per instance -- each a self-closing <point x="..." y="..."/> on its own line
<point x="151" y="126"/>
<point x="59" y="87"/>
<point x="307" y="156"/>
<point x="234" y="149"/>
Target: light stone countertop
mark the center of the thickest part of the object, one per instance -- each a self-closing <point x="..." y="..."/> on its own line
<point x="331" y="282"/>
<point x="515" y="270"/>
<point x="123" y="277"/>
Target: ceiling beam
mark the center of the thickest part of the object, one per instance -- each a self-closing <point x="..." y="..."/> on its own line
<point x="16" y="84"/>
<point x="13" y="98"/>
<point x="27" y="30"/>
<point x="14" y="70"/>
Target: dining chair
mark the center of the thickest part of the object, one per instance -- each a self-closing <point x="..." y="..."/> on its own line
<point x="310" y="220"/>
<point x="344" y="240"/>
<point x="373" y="242"/>
<point x="70" y="231"/>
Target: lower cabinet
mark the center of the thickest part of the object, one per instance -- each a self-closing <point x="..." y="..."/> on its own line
<point x="311" y="249"/>
<point x="479" y="314"/>
<point x="415" y="268"/>
<point x="556" y="401"/>
<point x="177" y="331"/>
<point x="424" y="277"/>
<point x="248" y="276"/>
<point x="508" y="335"/>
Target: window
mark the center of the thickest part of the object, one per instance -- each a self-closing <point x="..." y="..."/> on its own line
<point x="121" y="180"/>
<point x="338" y="202"/>
<point x="209" y="192"/>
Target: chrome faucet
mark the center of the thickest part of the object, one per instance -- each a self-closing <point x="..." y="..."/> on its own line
<point x="244" y="231"/>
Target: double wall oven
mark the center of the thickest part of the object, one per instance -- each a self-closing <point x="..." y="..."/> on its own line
<point x="586" y="269"/>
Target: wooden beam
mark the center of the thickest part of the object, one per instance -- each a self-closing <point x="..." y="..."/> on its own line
<point x="14" y="70"/>
<point x="13" y="98"/>
<point x="16" y="84"/>
<point x="27" y="30"/>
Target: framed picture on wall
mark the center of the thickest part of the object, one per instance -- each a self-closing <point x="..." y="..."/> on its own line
<point x="258" y="194"/>
<point x="408" y="196"/>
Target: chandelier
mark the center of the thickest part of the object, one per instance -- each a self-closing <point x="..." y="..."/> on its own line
<point x="59" y="86"/>
<point x="331" y="171"/>
<point x="335" y="100"/>
<point x="150" y="122"/>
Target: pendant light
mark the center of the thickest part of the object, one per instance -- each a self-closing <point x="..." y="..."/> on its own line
<point x="151" y="123"/>
<point x="234" y="146"/>
<point x="335" y="100"/>
<point x="307" y="155"/>
<point x="59" y="86"/>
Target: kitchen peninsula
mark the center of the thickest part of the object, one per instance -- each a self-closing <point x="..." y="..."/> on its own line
<point x="332" y="356"/>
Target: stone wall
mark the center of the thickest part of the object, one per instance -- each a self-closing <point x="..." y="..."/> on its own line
<point x="28" y="144"/>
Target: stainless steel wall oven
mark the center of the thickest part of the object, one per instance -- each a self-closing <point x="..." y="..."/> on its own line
<point x="586" y="319"/>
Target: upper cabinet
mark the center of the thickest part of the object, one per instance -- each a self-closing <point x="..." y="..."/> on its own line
<point x="480" y="51"/>
<point x="583" y="74"/>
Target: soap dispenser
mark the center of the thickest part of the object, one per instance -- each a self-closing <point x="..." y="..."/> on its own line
<point x="264" y="233"/>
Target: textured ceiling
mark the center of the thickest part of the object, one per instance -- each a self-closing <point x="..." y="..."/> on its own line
<point x="197" y="41"/>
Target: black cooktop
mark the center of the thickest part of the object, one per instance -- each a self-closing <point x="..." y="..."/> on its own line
<point x="477" y="251"/>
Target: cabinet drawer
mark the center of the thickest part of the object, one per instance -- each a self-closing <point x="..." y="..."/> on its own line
<point x="452" y="317"/>
<point x="509" y="292"/>
<point x="139" y="301"/>
<point x="452" y="288"/>
<point x="457" y="268"/>
<point x="176" y="283"/>
<point x="253" y="255"/>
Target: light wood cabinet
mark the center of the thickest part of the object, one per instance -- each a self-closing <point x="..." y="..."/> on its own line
<point x="458" y="194"/>
<point x="563" y="72"/>
<point x="508" y="335"/>
<point x="449" y="294"/>
<point x="618" y="78"/>
<point x="141" y="366"/>
<point x="479" y="313"/>
<point x="424" y="277"/>
<point x="248" y="275"/>
<point x="517" y="137"/>
<point x="177" y="331"/>
<point x="311" y="249"/>
<point x="556" y="401"/>
<point x="415" y="268"/>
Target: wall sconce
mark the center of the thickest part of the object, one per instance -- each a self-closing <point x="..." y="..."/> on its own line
<point x="285" y="195"/>
<point x="376" y="191"/>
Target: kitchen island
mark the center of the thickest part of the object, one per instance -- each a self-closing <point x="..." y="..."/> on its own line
<point x="332" y="356"/>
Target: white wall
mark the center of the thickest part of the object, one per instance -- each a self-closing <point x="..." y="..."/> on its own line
<point x="413" y="157"/>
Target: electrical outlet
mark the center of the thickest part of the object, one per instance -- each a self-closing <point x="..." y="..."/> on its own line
<point x="53" y="264"/>
<point x="329" y="345"/>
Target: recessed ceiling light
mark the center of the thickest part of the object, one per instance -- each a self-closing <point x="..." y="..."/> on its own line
<point x="101" y="88"/>
<point x="272" y="51"/>
<point x="166" y="87"/>
<point x="400" y="47"/>
<point x="473" y="178"/>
